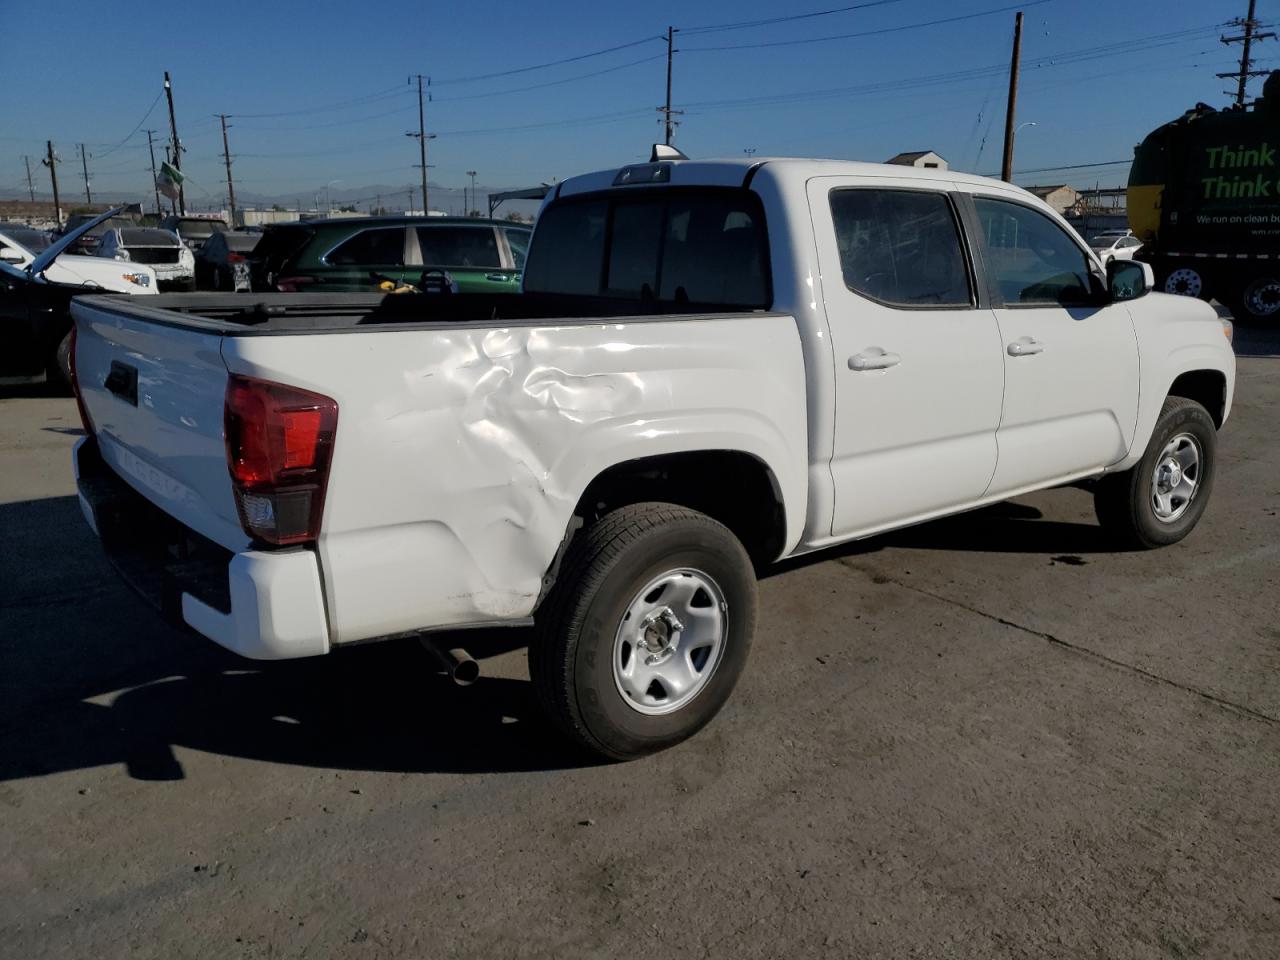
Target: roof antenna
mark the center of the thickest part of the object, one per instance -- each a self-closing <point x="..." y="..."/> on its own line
<point x="664" y="151"/>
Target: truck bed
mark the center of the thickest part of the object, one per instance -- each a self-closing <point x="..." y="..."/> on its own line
<point x="468" y="428"/>
<point x="274" y="314"/>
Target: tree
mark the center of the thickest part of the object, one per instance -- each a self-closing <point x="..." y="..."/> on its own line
<point x="516" y="217"/>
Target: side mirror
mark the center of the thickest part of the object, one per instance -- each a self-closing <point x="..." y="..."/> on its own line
<point x="10" y="255"/>
<point x="1129" y="279"/>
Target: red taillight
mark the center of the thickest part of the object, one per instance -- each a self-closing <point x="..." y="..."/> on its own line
<point x="235" y="258"/>
<point x="279" y="444"/>
<point x="293" y="284"/>
<point x="75" y="386"/>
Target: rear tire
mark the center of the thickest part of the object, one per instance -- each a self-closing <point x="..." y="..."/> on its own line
<point x="651" y="590"/>
<point x="1161" y="498"/>
<point x="59" y="373"/>
<point x="1257" y="302"/>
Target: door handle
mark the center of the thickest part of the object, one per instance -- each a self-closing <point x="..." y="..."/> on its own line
<point x="497" y="276"/>
<point x="873" y="358"/>
<point x="1025" y="346"/>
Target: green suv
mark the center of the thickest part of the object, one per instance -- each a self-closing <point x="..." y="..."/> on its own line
<point x="356" y="254"/>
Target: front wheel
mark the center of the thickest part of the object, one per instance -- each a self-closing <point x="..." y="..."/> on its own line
<point x="1161" y="499"/>
<point x="645" y="634"/>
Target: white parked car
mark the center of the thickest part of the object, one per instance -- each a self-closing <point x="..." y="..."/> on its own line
<point x="78" y="270"/>
<point x="713" y="366"/>
<point x="162" y="250"/>
<point x="1118" y="245"/>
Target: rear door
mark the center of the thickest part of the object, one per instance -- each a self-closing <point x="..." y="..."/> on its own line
<point x="919" y="375"/>
<point x="470" y="254"/>
<point x="1071" y="360"/>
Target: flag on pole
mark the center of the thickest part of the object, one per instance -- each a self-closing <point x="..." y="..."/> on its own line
<point x="169" y="180"/>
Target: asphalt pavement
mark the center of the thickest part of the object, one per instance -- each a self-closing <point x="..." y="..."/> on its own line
<point x="990" y="736"/>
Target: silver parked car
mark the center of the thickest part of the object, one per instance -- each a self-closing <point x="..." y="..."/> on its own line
<point x="1115" y="245"/>
<point x="162" y="250"/>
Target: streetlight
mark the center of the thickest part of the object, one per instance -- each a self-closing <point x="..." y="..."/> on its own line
<point x="328" y="206"/>
<point x="749" y="151"/>
<point x="1027" y="123"/>
<point x="472" y="175"/>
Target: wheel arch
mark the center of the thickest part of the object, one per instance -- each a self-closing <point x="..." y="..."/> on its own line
<point x="1206" y="387"/>
<point x="733" y="487"/>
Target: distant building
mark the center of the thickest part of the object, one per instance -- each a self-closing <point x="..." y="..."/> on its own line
<point x="920" y="158"/>
<point x="1061" y="197"/>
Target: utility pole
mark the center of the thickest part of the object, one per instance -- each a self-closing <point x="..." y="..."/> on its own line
<point x="177" y="144"/>
<point x="151" y="148"/>
<point x="423" y="137"/>
<point x="667" y="113"/>
<point x="226" y="156"/>
<point x="51" y="161"/>
<point x="411" y="199"/>
<point x="378" y="208"/>
<point x="1250" y="25"/>
<point x="1006" y="167"/>
<point x="31" y="189"/>
<point x="472" y="175"/>
<point x="84" y="165"/>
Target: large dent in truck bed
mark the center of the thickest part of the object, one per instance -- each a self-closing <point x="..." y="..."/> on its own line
<point x="456" y="470"/>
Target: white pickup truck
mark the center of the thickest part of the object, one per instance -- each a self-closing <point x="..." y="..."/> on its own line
<point x="713" y="365"/>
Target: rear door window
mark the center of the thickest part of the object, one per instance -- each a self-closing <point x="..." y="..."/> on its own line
<point x="901" y="247"/>
<point x="450" y="246"/>
<point x="384" y="247"/>
<point x="706" y="246"/>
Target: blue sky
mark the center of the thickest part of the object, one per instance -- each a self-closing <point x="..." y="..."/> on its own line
<point x="318" y="91"/>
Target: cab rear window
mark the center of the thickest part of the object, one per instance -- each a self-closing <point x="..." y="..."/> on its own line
<point x="704" y="247"/>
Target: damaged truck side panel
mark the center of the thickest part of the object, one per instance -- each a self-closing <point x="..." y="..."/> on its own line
<point x="488" y="438"/>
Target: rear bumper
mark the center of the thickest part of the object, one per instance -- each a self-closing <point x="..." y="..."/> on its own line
<point x="266" y="605"/>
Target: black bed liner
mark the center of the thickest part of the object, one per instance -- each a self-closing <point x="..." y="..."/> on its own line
<point x="274" y="314"/>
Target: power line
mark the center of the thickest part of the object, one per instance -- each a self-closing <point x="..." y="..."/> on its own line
<point x="871" y="33"/>
<point x="329" y="107"/>
<point x="551" y="63"/>
<point x="744" y="24"/>
<point x="137" y="127"/>
<point x="552" y="83"/>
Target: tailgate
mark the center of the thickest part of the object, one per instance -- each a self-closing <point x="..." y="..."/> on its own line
<point x="154" y="394"/>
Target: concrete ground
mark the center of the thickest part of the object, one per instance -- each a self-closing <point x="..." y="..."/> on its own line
<point x="985" y="737"/>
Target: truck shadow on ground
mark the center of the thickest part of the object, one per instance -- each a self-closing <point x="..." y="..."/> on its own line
<point x="90" y="676"/>
<point x="1008" y="527"/>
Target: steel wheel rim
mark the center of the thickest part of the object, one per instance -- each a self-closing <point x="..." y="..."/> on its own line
<point x="1184" y="282"/>
<point x="670" y="641"/>
<point x="1263" y="298"/>
<point x="1175" y="481"/>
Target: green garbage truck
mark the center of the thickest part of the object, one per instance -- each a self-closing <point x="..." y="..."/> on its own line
<point x="1204" y="198"/>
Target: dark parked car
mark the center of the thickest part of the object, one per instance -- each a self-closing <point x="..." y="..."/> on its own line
<point x="87" y="243"/>
<point x="31" y="238"/>
<point x="353" y="254"/>
<point x="223" y="262"/>
<point x="194" y="229"/>
<point x="35" y="300"/>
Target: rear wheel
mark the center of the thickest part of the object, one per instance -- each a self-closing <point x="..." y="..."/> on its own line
<point x="645" y="634"/>
<point x="1161" y="499"/>
<point x="1259" y="301"/>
